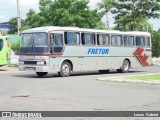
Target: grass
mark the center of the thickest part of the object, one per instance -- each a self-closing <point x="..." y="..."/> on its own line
<point x="146" y="77"/>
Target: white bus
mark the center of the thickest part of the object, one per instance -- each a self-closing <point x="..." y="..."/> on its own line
<point x="67" y="49"/>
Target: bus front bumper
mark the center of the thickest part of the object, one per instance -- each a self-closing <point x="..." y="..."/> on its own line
<point x="34" y="68"/>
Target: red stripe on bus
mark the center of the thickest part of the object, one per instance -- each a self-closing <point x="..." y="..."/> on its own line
<point x="40" y="54"/>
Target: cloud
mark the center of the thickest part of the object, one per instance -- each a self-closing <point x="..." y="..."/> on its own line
<point x="8" y="8"/>
<point x="29" y="2"/>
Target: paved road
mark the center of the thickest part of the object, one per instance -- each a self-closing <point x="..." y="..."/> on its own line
<point x="79" y="92"/>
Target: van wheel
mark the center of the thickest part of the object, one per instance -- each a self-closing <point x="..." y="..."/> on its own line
<point x="65" y="69"/>
<point x="41" y="74"/>
<point x="125" y="67"/>
<point x="103" y="71"/>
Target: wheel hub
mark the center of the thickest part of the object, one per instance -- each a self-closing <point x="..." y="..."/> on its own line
<point x="65" y="69"/>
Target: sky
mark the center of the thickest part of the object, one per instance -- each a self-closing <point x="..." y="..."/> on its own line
<point x="8" y="10"/>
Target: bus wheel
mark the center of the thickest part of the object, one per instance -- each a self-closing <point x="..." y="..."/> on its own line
<point x="41" y="74"/>
<point x="103" y="71"/>
<point x="65" y="69"/>
<point x="125" y="67"/>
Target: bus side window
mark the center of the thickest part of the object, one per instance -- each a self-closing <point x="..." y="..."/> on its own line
<point x="1" y="44"/>
<point x="131" y="40"/>
<point x="88" y="39"/>
<point x="83" y="39"/>
<point x="142" y="41"/>
<point x="57" y="39"/>
<point x="98" y="41"/>
<point x="147" y="42"/>
<point x="128" y="40"/>
<point x="119" y="41"/>
<point x="113" y="40"/>
<point x="103" y="39"/>
<point x="138" y="41"/>
<point x="72" y="38"/>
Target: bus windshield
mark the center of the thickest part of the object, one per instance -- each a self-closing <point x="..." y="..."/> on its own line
<point x="34" y="43"/>
<point x="36" y="39"/>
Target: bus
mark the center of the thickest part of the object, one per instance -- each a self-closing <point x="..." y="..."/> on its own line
<point x="5" y="50"/>
<point x="64" y="50"/>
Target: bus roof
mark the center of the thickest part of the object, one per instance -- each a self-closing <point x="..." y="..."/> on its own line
<point x="58" y="28"/>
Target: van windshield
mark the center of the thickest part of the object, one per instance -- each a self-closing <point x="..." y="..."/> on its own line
<point x="1" y="44"/>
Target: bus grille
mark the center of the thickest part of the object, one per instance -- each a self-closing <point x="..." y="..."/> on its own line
<point x="30" y="62"/>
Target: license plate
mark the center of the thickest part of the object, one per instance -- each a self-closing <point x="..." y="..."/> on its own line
<point x="30" y="69"/>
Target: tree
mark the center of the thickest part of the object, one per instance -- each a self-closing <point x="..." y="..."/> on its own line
<point x="156" y="43"/>
<point x="131" y="13"/>
<point x="15" y="47"/>
<point x="13" y="22"/>
<point x="106" y="5"/>
<point x="33" y="20"/>
<point x="143" y="26"/>
<point x="64" y="13"/>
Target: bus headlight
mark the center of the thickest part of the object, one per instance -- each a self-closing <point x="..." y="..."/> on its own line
<point x="41" y="63"/>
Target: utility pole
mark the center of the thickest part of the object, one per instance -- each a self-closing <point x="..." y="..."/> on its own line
<point x="18" y="17"/>
<point x="107" y="20"/>
<point x="147" y="28"/>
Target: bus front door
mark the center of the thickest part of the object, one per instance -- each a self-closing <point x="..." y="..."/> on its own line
<point x="56" y="43"/>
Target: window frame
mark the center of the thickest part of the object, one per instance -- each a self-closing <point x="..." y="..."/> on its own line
<point x="129" y="39"/>
<point x="141" y="40"/>
<point x="53" y="40"/>
<point x="106" y="35"/>
<point x="116" y="43"/>
<point x="66" y="40"/>
<point x="146" y="41"/>
<point x="83" y="42"/>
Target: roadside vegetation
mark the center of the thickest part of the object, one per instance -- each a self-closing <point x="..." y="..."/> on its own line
<point x="15" y="47"/>
<point x="146" y="77"/>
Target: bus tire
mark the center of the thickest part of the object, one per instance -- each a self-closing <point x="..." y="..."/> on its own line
<point x="125" y="67"/>
<point x="41" y="74"/>
<point x="65" y="69"/>
<point x="103" y="71"/>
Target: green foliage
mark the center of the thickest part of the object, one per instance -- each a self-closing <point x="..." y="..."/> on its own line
<point x="64" y="13"/>
<point x="15" y="47"/>
<point x="156" y="43"/>
<point x="13" y="21"/>
<point x="106" y="5"/>
<point x="146" y="77"/>
<point x="143" y="25"/>
<point x="130" y="14"/>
